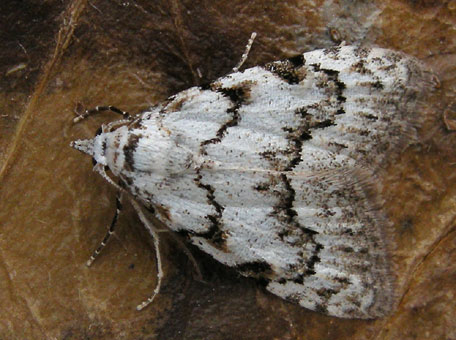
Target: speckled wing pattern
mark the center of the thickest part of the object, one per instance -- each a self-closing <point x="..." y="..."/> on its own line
<point x="270" y="170"/>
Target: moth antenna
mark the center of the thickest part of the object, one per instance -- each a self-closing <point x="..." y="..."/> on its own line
<point x="246" y="53"/>
<point x="98" y="109"/>
<point x="110" y="231"/>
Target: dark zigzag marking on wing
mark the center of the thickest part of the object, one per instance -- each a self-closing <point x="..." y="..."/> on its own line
<point x="238" y="96"/>
<point x="333" y="76"/>
<point x="296" y="136"/>
<point x="286" y="205"/>
<point x="284" y="212"/>
<point x="214" y="234"/>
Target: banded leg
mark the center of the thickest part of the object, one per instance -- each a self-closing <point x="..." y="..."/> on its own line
<point x="110" y="230"/>
<point x="154" y="233"/>
<point x="98" y="109"/>
<point x="246" y="53"/>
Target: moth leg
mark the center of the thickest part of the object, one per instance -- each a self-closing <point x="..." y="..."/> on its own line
<point x="154" y="233"/>
<point x="98" y="109"/>
<point x="246" y="53"/>
<point x="110" y="230"/>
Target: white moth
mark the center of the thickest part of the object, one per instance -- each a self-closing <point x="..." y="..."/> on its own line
<point x="272" y="170"/>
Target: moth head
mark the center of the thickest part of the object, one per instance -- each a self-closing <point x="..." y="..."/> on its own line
<point x="95" y="147"/>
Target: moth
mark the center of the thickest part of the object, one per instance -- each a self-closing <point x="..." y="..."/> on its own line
<point x="273" y="171"/>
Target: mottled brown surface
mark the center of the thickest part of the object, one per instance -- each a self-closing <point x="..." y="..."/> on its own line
<point x="134" y="53"/>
